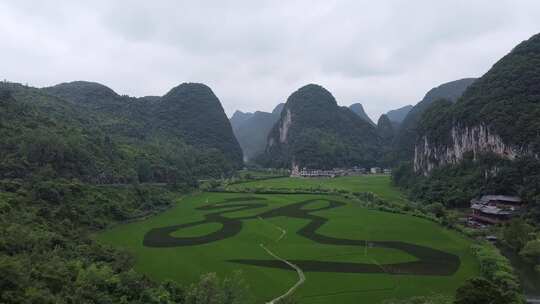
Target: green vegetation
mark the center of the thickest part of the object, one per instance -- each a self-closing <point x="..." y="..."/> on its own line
<point x="505" y="100"/>
<point x="350" y="221"/>
<point x="387" y="132"/>
<point x="499" y="283"/>
<point x="506" y="97"/>
<point x="113" y="139"/>
<point x="77" y="158"/>
<point x="408" y="131"/>
<point x="456" y="185"/>
<point x="315" y="132"/>
<point x="46" y="255"/>
<point x="377" y="184"/>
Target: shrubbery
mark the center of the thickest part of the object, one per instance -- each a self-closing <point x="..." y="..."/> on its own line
<point x="496" y="269"/>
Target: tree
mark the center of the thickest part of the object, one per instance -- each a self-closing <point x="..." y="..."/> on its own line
<point x="531" y="251"/>
<point x="437" y="209"/>
<point x="480" y="291"/>
<point x="517" y="233"/>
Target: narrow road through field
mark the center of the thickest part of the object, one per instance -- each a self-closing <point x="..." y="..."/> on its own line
<point x="301" y="276"/>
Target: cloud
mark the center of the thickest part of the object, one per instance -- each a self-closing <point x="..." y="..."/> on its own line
<point x="255" y="53"/>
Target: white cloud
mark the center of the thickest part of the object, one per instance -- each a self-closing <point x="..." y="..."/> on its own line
<point x="255" y="53"/>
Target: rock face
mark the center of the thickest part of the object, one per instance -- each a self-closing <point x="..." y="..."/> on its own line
<point x="476" y="140"/>
<point x="253" y="131"/>
<point x="408" y="130"/>
<point x="498" y="114"/>
<point x="314" y="132"/>
<point x="359" y="110"/>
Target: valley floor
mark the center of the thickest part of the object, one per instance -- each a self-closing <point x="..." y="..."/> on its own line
<point x="348" y="253"/>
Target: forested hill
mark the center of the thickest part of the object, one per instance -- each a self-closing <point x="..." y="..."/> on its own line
<point x="252" y="130"/>
<point x="86" y="131"/>
<point x="313" y="131"/>
<point x="408" y="133"/>
<point x="499" y="113"/>
<point x="77" y="158"/>
<point x="487" y="142"/>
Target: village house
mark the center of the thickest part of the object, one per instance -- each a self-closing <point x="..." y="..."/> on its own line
<point x="376" y="170"/>
<point x="305" y="172"/>
<point x="494" y="209"/>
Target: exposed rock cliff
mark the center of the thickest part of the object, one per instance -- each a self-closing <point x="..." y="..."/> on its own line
<point x="498" y="114"/>
<point x="407" y="134"/>
<point x="476" y="140"/>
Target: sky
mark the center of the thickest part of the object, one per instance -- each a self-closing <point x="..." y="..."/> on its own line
<point x="254" y="54"/>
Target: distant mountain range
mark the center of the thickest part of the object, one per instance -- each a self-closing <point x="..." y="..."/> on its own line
<point x="398" y="115"/>
<point x="252" y="129"/>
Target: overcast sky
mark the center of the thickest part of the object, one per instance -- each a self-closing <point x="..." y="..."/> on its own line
<point x="254" y="54"/>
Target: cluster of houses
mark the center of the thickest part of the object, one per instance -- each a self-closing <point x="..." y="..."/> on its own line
<point x="493" y="209"/>
<point x="297" y="172"/>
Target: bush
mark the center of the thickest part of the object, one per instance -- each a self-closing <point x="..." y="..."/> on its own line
<point x="496" y="269"/>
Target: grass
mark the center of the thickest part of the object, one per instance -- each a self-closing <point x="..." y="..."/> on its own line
<point x="378" y="184"/>
<point x="186" y="264"/>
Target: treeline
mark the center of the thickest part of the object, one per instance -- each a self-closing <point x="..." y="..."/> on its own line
<point x="455" y="185"/>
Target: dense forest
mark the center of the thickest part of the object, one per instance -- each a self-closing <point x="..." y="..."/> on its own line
<point x="86" y="131"/>
<point x="76" y="158"/>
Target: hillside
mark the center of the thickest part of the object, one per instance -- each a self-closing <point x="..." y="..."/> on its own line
<point x="499" y="113"/>
<point x="253" y="131"/>
<point x="407" y="134"/>
<point x="359" y="110"/>
<point x="191" y="111"/>
<point x="86" y="131"/>
<point x="387" y="131"/>
<point x="313" y="131"/>
<point x="487" y="142"/>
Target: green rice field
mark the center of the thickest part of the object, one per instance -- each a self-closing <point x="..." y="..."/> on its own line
<point x="349" y="254"/>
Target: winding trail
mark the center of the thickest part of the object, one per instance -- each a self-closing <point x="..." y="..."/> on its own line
<point x="301" y="275"/>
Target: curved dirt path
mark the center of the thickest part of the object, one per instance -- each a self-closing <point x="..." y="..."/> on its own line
<point x="301" y="275"/>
